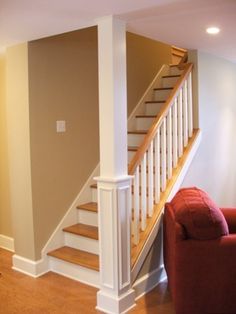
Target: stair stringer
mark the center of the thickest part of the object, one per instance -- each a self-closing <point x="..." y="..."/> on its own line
<point x="57" y="238"/>
<point x="149" y="242"/>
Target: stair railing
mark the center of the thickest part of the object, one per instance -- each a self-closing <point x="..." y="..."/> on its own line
<point x="152" y="165"/>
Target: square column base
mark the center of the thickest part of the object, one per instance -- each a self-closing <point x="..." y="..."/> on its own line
<point x="111" y="304"/>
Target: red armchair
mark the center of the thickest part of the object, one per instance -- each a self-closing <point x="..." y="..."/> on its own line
<point x="200" y="254"/>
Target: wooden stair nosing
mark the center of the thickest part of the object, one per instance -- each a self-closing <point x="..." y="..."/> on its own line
<point x="138" y="132"/>
<point x="91" y="206"/>
<point x="163" y="88"/>
<point x="133" y="148"/>
<point x="155" y="102"/>
<point x="145" y="116"/>
<point x="75" y="256"/>
<point x="171" y="75"/>
<point x="179" y="49"/>
<point x="178" y="54"/>
<point x="83" y="230"/>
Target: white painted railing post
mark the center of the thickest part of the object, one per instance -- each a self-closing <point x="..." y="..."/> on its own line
<point x="114" y="185"/>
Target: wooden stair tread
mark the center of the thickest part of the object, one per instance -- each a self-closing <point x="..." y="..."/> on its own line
<point x="155" y="102"/>
<point x="77" y="257"/>
<point x="145" y="116"/>
<point x="91" y="206"/>
<point x="171" y="75"/>
<point x="133" y="148"/>
<point x="178" y="54"/>
<point x="178" y="49"/>
<point x="163" y="88"/>
<point x="138" y="132"/>
<point x="83" y="230"/>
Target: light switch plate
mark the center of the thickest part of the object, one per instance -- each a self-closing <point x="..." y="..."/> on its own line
<point x="61" y="126"/>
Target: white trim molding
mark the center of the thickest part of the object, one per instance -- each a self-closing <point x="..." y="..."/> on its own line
<point x="29" y="267"/>
<point x="7" y="243"/>
<point x="149" y="281"/>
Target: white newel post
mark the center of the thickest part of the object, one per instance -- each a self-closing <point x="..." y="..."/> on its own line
<point x="114" y="185"/>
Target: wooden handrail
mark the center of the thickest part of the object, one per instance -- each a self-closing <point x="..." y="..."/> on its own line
<point x="158" y="120"/>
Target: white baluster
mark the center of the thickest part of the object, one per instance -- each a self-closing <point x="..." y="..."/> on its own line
<point x="136" y="207"/>
<point x="180" y="123"/>
<point x="169" y="144"/>
<point x="190" y="106"/>
<point x="143" y="192"/>
<point x="175" y="134"/>
<point x="157" y="166"/>
<point x="163" y="155"/>
<point x="150" y="180"/>
<point x="185" y="114"/>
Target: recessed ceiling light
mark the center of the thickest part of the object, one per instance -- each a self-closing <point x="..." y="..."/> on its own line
<point x="213" y="30"/>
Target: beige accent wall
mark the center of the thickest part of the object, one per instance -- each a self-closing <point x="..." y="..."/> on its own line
<point x="63" y="85"/>
<point x="213" y="168"/>
<point x="5" y="206"/>
<point x="145" y="57"/>
<point x="19" y="150"/>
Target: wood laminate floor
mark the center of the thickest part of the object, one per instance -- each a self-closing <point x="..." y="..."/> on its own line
<point x="55" y="294"/>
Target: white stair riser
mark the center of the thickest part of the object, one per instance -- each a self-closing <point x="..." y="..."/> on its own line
<point x="176" y="59"/>
<point x="169" y="81"/>
<point x="94" y="195"/>
<point x="135" y="139"/>
<point x="153" y="108"/>
<point x="175" y="71"/>
<point x="143" y="123"/>
<point x="81" y="243"/>
<point x="76" y="272"/>
<point x="161" y="94"/>
<point x="87" y="217"/>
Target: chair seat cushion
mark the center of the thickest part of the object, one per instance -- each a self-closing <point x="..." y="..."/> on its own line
<point x="198" y="214"/>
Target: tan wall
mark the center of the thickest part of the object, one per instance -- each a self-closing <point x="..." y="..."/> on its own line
<point x="5" y="206"/>
<point x="19" y="150"/>
<point x="144" y="59"/>
<point x="64" y="86"/>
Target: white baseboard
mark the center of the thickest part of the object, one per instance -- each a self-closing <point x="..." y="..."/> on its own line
<point x="149" y="281"/>
<point x="7" y="243"/>
<point x="29" y="267"/>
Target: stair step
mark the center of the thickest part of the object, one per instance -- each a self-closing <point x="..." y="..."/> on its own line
<point x="145" y="116"/>
<point x="155" y="102"/>
<point x="163" y="88"/>
<point x="77" y="257"/>
<point x="83" y="230"/>
<point x="138" y="132"/>
<point x="178" y="49"/>
<point x="171" y="75"/>
<point x="133" y="148"/>
<point x="91" y="206"/>
<point x="178" y="54"/>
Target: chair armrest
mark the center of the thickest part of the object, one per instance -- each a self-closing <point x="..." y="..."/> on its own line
<point x="230" y="216"/>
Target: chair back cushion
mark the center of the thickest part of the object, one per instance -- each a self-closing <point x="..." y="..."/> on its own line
<point x="198" y="214"/>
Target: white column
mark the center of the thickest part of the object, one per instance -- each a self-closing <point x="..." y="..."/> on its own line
<point x="114" y="185"/>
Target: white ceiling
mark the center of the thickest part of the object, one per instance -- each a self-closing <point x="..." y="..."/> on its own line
<point x="177" y="22"/>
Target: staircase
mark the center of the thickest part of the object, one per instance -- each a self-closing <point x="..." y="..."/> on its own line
<point x="160" y="139"/>
<point x="178" y="55"/>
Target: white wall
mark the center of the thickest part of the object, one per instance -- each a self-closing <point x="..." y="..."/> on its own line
<point x="214" y="166"/>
